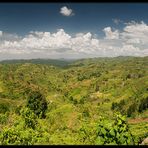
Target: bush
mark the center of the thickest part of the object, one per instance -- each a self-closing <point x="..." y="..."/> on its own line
<point x="25" y="131"/>
<point x="106" y="132"/>
<point x="17" y="136"/>
<point x="131" y="109"/>
<point x="143" y="104"/>
<point x="18" y="109"/>
<point x="4" y="118"/>
<point x="118" y="106"/>
<point x="114" y="105"/>
<point x="4" y="108"/>
<point x="29" y="118"/>
<point x="115" y="133"/>
<point x="37" y="103"/>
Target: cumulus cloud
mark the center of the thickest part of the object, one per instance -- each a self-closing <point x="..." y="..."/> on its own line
<point x="132" y="41"/>
<point x="136" y="33"/>
<point x="66" y="12"/>
<point x="111" y="34"/>
<point x="45" y="41"/>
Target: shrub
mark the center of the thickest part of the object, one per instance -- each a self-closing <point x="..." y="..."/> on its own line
<point x="106" y="132"/>
<point x="115" y="133"/>
<point x="25" y="131"/>
<point x="29" y="118"/>
<point x="4" y="118"/>
<point x="18" y="109"/>
<point x="37" y="103"/>
<point x="18" y="136"/>
<point x="131" y="109"/>
<point x="4" y="108"/>
<point x="114" y="105"/>
<point x="143" y="104"/>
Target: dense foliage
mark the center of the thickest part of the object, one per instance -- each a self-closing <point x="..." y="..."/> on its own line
<point x="89" y="101"/>
<point x="37" y="103"/>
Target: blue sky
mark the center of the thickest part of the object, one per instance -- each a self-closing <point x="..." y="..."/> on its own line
<point x="17" y="20"/>
<point x="23" y="17"/>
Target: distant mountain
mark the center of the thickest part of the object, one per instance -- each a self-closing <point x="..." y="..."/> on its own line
<point x="62" y="62"/>
<point x="54" y="62"/>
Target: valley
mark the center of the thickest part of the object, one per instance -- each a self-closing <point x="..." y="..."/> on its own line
<point x="58" y="102"/>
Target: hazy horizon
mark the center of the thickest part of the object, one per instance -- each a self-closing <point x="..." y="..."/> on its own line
<point x="68" y="58"/>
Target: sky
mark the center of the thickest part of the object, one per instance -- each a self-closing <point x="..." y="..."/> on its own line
<point x="73" y="30"/>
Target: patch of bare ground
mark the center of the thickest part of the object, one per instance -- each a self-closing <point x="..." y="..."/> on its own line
<point x="137" y="120"/>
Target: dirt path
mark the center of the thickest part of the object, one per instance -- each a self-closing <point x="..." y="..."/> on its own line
<point x="138" y="120"/>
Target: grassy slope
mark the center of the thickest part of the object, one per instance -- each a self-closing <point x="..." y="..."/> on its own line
<point x="66" y="89"/>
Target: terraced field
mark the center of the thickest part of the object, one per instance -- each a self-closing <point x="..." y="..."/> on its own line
<point x="72" y="99"/>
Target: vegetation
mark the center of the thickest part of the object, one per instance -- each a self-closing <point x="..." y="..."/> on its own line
<point x="98" y="101"/>
<point x="37" y="103"/>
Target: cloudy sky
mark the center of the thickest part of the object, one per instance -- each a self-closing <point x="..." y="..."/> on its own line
<point x="73" y="30"/>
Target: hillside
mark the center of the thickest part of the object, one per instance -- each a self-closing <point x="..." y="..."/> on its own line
<point x="54" y="62"/>
<point x="78" y="93"/>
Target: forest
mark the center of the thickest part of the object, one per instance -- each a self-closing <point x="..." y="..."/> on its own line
<point x="95" y="101"/>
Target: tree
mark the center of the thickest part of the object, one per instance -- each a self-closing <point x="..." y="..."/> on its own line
<point x="37" y="103"/>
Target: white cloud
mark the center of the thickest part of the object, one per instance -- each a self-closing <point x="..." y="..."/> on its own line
<point x="1" y="33"/>
<point x="84" y="43"/>
<point x="131" y="41"/>
<point x="136" y="33"/>
<point x="110" y="34"/>
<point x="66" y="12"/>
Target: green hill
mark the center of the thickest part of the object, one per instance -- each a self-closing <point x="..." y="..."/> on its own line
<point x="54" y="62"/>
<point x="78" y="93"/>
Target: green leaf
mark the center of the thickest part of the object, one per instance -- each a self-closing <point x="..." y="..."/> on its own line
<point x="112" y="132"/>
